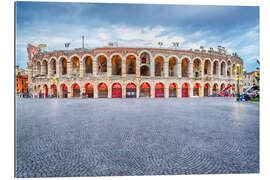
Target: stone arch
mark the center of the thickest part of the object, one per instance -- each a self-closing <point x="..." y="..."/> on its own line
<point x="206" y="89"/>
<point x="229" y="68"/>
<point x="131" y="90"/>
<point x="173" y="89"/>
<point x="197" y="89"/>
<point x="102" y="61"/>
<point x="75" y="90"/>
<point x="63" y="90"/>
<point x="159" y="90"/>
<point x="159" y="65"/>
<point x="116" y="61"/>
<point x="223" y="68"/>
<point x="185" y="63"/>
<point x="145" y="70"/>
<point x="131" y="60"/>
<point x="145" y="89"/>
<point x="89" y="90"/>
<point x="53" y="90"/>
<point x="207" y="67"/>
<point x="39" y="68"/>
<point x="172" y="68"/>
<point x="44" y="68"/>
<point x="88" y="63"/>
<point x="197" y="63"/>
<point x="63" y="65"/>
<point x="185" y="89"/>
<point x="45" y="91"/>
<point x="116" y="90"/>
<point x="102" y="90"/>
<point x="52" y="65"/>
<point x="215" y="67"/>
<point x="75" y="64"/>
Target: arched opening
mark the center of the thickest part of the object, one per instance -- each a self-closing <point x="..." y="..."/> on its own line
<point x="116" y="90"/>
<point x="172" y="67"/>
<point x="185" y="92"/>
<point x="206" y="90"/>
<point x="233" y="70"/>
<point x="215" y="68"/>
<point x="215" y="89"/>
<point x="116" y="65"/>
<point x="63" y="66"/>
<point x="222" y="69"/>
<point x="145" y="90"/>
<point x="145" y="70"/>
<point x="53" y="90"/>
<point x="131" y="64"/>
<point x="131" y="90"/>
<point x="185" y="67"/>
<point x="229" y="69"/>
<point x="159" y="90"/>
<point x="38" y="68"/>
<point x="53" y="66"/>
<point x="64" y="91"/>
<point x="88" y="65"/>
<point x="45" y="91"/>
<point x="102" y="90"/>
<point x="44" y="67"/>
<point x="197" y="68"/>
<point x="89" y="90"/>
<point x="76" y="92"/>
<point x="196" y="89"/>
<point x="173" y="90"/>
<point x="222" y="86"/>
<point x="75" y="65"/>
<point x="159" y="66"/>
<point x="207" y="67"/>
<point x="102" y="64"/>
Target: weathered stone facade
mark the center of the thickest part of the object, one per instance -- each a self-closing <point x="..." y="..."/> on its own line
<point x="166" y="72"/>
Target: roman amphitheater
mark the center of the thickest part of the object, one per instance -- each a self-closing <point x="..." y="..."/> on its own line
<point x="118" y="72"/>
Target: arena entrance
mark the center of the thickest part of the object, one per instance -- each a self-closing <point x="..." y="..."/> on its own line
<point x="215" y="89"/>
<point x="206" y="90"/>
<point x="196" y="89"/>
<point x="131" y="90"/>
<point x="45" y="90"/>
<point x="173" y="90"/>
<point x="185" y="90"/>
<point x="102" y="90"/>
<point x="116" y="90"/>
<point x="89" y="90"/>
<point x="159" y="90"/>
<point x="145" y="90"/>
<point x="76" y="90"/>
<point x="64" y="91"/>
<point x="54" y="90"/>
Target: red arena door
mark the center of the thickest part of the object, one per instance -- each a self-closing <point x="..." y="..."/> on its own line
<point x="64" y="91"/>
<point x="46" y="93"/>
<point x="206" y="90"/>
<point x="172" y="90"/>
<point x="145" y="90"/>
<point x="185" y="90"/>
<point x="159" y="90"/>
<point x="89" y="90"/>
<point x="116" y="90"/>
<point x="76" y="90"/>
<point x="131" y="90"/>
<point x="102" y="90"/>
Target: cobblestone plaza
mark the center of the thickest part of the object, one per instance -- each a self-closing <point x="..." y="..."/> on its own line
<point x="123" y="137"/>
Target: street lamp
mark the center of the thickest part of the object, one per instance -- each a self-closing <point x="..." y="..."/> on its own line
<point x="238" y="78"/>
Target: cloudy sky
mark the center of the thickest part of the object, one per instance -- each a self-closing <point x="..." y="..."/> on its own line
<point x="234" y="27"/>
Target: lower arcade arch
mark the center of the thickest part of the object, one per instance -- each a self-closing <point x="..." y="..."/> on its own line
<point x="45" y="91"/>
<point x="102" y="90"/>
<point x="76" y="91"/>
<point x="64" y="91"/>
<point x="116" y="90"/>
<point x="173" y="90"/>
<point x="206" y="90"/>
<point x="145" y="90"/>
<point x="215" y="89"/>
<point x="185" y="92"/>
<point x="53" y="90"/>
<point x="89" y="90"/>
<point x="196" y="89"/>
<point x="159" y="90"/>
<point x="131" y="90"/>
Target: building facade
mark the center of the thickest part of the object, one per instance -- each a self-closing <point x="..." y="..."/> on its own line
<point x="21" y="80"/>
<point x="118" y="72"/>
<point x="250" y="79"/>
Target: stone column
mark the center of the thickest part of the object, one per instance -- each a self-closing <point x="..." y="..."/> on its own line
<point x="137" y="67"/>
<point x="179" y="92"/>
<point x="190" y="70"/>
<point x="179" y="70"/>
<point x="211" y="90"/>
<point x="152" y="68"/>
<point x="202" y="70"/>
<point x="166" y="68"/>
<point x="201" y="91"/>
<point x="109" y="90"/>
<point x="138" y="91"/>
<point x="190" y="89"/>
<point x="152" y="91"/>
<point x="69" y="92"/>
<point x="166" y="92"/>
<point x="109" y="68"/>
<point x="123" y="91"/>
<point x="69" y="68"/>
<point x="95" y="86"/>
<point x="95" y="67"/>
<point x="82" y="69"/>
<point x="124" y="73"/>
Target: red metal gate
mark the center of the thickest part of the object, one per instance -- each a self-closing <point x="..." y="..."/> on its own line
<point x="116" y="90"/>
<point x="159" y="90"/>
<point x="185" y="90"/>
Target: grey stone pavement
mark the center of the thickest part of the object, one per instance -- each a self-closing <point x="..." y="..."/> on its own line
<point x="124" y="137"/>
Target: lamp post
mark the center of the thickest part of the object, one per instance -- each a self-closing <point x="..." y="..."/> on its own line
<point x="238" y="70"/>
